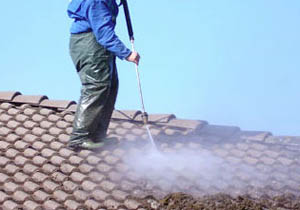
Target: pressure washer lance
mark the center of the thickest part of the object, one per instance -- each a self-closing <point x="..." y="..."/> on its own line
<point x="131" y="37"/>
<point x="144" y="113"/>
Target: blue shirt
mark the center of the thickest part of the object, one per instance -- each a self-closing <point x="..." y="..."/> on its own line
<point x="98" y="16"/>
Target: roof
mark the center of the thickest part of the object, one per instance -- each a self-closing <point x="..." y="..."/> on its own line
<point x="37" y="170"/>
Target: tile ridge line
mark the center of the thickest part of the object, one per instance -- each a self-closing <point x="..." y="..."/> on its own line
<point x="36" y="100"/>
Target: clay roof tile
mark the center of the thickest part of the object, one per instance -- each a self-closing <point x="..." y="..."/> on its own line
<point x="50" y="204"/>
<point x="39" y="172"/>
<point x="59" y="177"/>
<point x="30" y="187"/>
<point x="41" y="196"/>
<point x="125" y="115"/>
<point x="61" y="196"/>
<point x="80" y="195"/>
<point x="100" y="195"/>
<point x="3" y="197"/>
<point x="92" y="204"/>
<point x="112" y="204"/>
<point x="4" y="178"/>
<point x="72" y="108"/>
<point x="10" y="205"/>
<point x="60" y="104"/>
<point x="5" y="145"/>
<point x="73" y="205"/>
<point x="6" y="106"/>
<point x="21" y="177"/>
<point x="32" y="100"/>
<point x="20" y="196"/>
<point x="8" y="96"/>
<point x="31" y="205"/>
<point x="132" y="204"/>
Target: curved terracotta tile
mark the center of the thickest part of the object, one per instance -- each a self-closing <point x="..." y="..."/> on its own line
<point x="49" y="168"/>
<point x="60" y="104"/>
<point x="69" y="118"/>
<point x="92" y="204"/>
<point x="4" y="178"/>
<point x="21" y="177"/>
<point x="59" y="177"/>
<point x="6" y="106"/>
<point x="39" y="160"/>
<point x="41" y="196"/>
<point x="31" y="205"/>
<point x="47" y="153"/>
<point x="80" y="195"/>
<point x="10" y="187"/>
<point x="3" y="197"/>
<point x="120" y="195"/>
<point x="30" y="187"/>
<point x="8" y="95"/>
<point x="30" y="168"/>
<point x="10" y="205"/>
<point x="66" y="153"/>
<point x="78" y="177"/>
<point x="125" y="114"/>
<point x="20" y="196"/>
<point x="5" y="145"/>
<point x="39" y="146"/>
<point x="47" y="138"/>
<point x="29" y="138"/>
<point x="50" y="186"/>
<point x="50" y="204"/>
<point x="21" y="145"/>
<point x="61" y="196"/>
<point x="63" y="138"/>
<point x="21" y="161"/>
<point x="86" y="168"/>
<point x="22" y="118"/>
<point x="45" y="124"/>
<point x="5" y="117"/>
<point x="73" y="205"/>
<point x="112" y="204"/>
<point x="11" y="169"/>
<point x="100" y="195"/>
<point x="26" y="99"/>
<point x="46" y="112"/>
<point x="70" y="186"/>
<point x="57" y="160"/>
<point x="11" y="153"/>
<point x="55" y="145"/>
<point x="13" y="124"/>
<point x="132" y="204"/>
<point x="13" y="111"/>
<point x="89" y="186"/>
<point x="72" y="108"/>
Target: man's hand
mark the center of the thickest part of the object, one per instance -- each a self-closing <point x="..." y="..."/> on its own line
<point x="134" y="57"/>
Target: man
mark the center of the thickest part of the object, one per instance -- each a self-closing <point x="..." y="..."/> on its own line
<point x="93" y="48"/>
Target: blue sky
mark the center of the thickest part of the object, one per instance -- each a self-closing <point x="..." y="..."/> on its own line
<point x="227" y="62"/>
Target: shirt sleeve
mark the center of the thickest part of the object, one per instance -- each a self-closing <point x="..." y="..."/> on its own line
<point x="101" y="22"/>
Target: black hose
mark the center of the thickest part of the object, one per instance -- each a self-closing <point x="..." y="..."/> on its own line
<point x="128" y="20"/>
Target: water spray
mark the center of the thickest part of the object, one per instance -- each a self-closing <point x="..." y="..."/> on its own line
<point x="131" y="37"/>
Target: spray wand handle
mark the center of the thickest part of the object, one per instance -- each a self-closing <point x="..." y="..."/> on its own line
<point x="128" y="19"/>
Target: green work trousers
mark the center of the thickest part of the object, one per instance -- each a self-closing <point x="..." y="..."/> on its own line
<point x="98" y="74"/>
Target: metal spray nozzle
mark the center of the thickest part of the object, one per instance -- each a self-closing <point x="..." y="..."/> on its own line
<point x="145" y="117"/>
